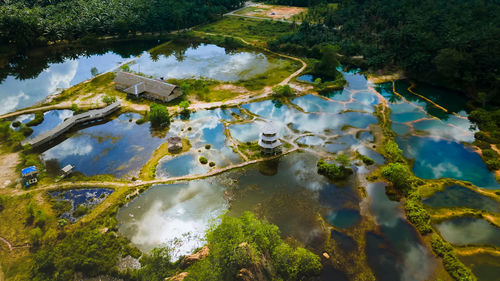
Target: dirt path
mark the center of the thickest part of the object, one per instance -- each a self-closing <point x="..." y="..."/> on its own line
<point x="8" y="163"/>
<point x="131" y="185"/>
<point x="62" y="105"/>
<point x="7" y="242"/>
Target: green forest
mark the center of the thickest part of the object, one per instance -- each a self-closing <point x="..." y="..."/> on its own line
<point x="447" y="43"/>
<point x="40" y="22"/>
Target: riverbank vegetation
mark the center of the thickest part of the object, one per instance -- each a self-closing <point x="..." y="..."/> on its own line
<point x="333" y="171"/>
<point x="398" y="172"/>
<point x="488" y="139"/>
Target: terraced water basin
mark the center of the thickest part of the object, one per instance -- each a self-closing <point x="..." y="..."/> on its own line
<point x="438" y="158"/>
<point x="485" y="266"/>
<point x="460" y="196"/>
<point x="469" y="231"/>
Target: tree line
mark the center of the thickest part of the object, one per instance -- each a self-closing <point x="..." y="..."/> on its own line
<point x="30" y="23"/>
<point x="453" y="43"/>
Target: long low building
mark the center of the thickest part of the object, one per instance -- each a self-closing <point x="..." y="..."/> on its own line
<point x="138" y="86"/>
<point x="65" y="126"/>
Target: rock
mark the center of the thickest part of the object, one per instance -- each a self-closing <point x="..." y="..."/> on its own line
<point x="326" y="255"/>
<point x="189" y="260"/>
<point x="178" y="277"/>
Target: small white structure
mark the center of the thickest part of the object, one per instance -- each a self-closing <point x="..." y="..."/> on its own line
<point x="268" y="141"/>
<point x="67" y="170"/>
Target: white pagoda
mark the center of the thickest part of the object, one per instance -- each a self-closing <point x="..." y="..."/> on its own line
<point x="268" y="141"/>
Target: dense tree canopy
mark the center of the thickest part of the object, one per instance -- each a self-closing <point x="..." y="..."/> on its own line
<point x="452" y="43"/>
<point x="31" y="23"/>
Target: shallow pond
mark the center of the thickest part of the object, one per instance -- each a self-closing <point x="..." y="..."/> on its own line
<point x="485" y="267"/>
<point x="88" y="198"/>
<point x="181" y="60"/>
<point x="119" y="147"/>
<point x="173" y="215"/>
<point x="51" y="119"/>
<point x="460" y="196"/>
<point x="438" y="158"/>
<point x="469" y="231"/>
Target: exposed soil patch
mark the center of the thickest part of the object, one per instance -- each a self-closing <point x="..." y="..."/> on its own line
<point x="8" y="162"/>
<point x="232" y="88"/>
<point x="273" y="12"/>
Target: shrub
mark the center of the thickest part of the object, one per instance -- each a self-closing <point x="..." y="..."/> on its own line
<point x="185" y="112"/>
<point x="282" y="91"/>
<point x="208" y="146"/>
<point x="333" y="171"/>
<point x="81" y="210"/>
<point x="247" y="242"/>
<point x="203" y="160"/>
<point x="158" y="115"/>
<point x="60" y="207"/>
<point x="343" y="160"/>
<point x="94" y="71"/>
<point x="393" y="152"/>
<point x="25" y="130"/>
<point x="367" y="160"/>
<point x="211" y="164"/>
<point x="125" y="67"/>
<point x="39" y="117"/>
<point x="108" y="99"/>
<point x="399" y="175"/>
<point x="417" y="215"/>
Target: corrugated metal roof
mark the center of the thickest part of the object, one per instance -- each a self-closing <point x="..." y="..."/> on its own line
<point x="150" y="85"/>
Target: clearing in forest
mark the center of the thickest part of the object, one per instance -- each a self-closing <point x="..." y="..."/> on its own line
<point x="271" y="11"/>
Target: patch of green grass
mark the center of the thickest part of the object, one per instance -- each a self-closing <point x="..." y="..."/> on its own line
<point x="277" y="72"/>
<point x="252" y="30"/>
<point x="250" y="149"/>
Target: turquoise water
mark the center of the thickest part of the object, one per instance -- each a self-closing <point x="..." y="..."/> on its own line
<point x="437" y="158"/>
<point x="460" y="196"/>
<point x="469" y="231"/>
<point x="311" y="78"/>
<point x="312" y="103"/>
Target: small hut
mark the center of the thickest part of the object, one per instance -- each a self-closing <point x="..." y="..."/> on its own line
<point x="174" y="144"/>
<point x="269" y="142"/>
<point x="68" y="169"/>
<point x="29" y="176"/>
